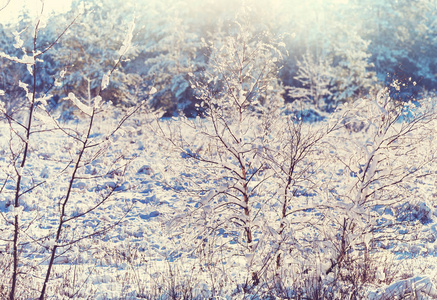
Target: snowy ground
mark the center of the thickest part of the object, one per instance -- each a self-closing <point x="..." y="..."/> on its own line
<point x="133" y="256"/>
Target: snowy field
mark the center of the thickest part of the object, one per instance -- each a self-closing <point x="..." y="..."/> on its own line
<point x="200" y="208"/>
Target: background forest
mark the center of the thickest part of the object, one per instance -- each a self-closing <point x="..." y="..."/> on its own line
<point x="219" y="150"/>
<point x="332" y="52"/>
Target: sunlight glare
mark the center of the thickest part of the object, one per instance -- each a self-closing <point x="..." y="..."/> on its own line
<point x="13" y="9"/>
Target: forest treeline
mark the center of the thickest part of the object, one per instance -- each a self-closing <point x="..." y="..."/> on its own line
<point x="330" y="52"/>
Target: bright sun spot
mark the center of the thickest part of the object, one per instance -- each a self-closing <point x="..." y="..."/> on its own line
<point x="11" y="9"/>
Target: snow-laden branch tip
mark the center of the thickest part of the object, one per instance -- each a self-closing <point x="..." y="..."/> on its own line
<point x="24" y="86"/>
<point x="127" y="43"/>
<point x="83" y="107"/>
<point x="25" y="60"/>
<point x="46" y="119"/>
<point x="18" y="41"/>
<point x="42" y="18"/>
<point x="98" y="101"/>
<point x="105" y="80"/>
<point x="43" y="100"/>
<point x="153" y="90"/>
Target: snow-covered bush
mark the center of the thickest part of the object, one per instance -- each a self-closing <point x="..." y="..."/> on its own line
<point x="62" y="182"/>
<point x="297" y="209"/>
<point x="221" y="167"/>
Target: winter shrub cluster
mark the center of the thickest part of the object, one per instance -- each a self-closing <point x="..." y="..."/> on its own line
<point x="101" y="197"/>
